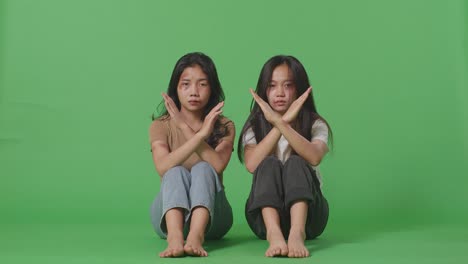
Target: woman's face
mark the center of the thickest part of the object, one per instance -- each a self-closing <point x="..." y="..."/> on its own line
<point x="193" y="89"/>
<point x="281" y="91"/>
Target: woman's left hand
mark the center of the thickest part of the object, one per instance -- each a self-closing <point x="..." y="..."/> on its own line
<point x="296" y="106"/>
<point x="270" y="115"/>
<point x="210" y="120"/>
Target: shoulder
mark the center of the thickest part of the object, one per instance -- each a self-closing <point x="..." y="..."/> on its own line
<point x="320" y="130"/>
<point x="160" y="121"/>
<point x="249" y="137"/>
<point x="159" y="126"/>
<point x="319" y="124"/>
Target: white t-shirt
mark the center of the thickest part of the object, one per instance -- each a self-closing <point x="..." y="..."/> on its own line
<point x="283" y="150"/>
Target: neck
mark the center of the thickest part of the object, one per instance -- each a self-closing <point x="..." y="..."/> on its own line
<point x="192" y="118"/>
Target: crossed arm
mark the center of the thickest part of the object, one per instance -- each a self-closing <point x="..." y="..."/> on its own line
<point x="312" y="151"/>
<point x="164" y="158"/>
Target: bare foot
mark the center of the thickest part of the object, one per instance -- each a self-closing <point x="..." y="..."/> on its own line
<point x="175" y="247"/>
<point x="193" y="246"/>
<point x="278" y="246"/>
<point x="296" y="245"/>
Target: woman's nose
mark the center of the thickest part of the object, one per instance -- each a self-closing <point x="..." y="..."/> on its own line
<point x="280" y="92"/>
<point x="194" y="90"/>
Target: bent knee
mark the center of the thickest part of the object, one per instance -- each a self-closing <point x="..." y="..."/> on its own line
<point x="203" y="165"/>
<point x="177" y="172"/>
<point x="203" y="171"/>
<point x="270" y="161"/>
<point x="296" y="160"/>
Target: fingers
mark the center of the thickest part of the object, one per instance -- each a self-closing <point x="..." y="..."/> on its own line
<point x="216" y="115"/>
<point x="216" y="111"/>
<point x="210" y="119"/>
<point x="165" y="97"/>
<point x="257" y="98"/>
<point x="308" y="91"/>
<point x="169" y="104"/>
<point x="212" y="116"/>
<point x="263" y="105"/>
<point x="168" y="100"/>
<point x="169" y="108"/>
<point x="300" y="101"/>
<point x="218" y="106"/>
<point x="305" y="94"/>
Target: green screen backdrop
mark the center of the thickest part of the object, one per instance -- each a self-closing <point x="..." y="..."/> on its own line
<point x="79" y="81"/>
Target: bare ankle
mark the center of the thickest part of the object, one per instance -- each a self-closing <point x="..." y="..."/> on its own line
<point x="175" y="235"/>
<point x="273" y="231"/>
<point x="196" y="235"/>
<point x="297" y="229"/>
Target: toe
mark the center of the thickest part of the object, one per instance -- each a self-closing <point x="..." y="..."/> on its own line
<point x="295" y="254"/>
<point x="284" y="252"/>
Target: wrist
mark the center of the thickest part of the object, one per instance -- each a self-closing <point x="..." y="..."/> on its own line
<point x="201" y="135"/>
<point x="275" y="130"/>
<point x="286" y="120"/>
<point x="281" y="124"/>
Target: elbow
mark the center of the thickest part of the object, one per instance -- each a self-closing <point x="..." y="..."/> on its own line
<point x="161" y="170"/>
<point x="314" y="161"/>
<point x="250" y="167"/>
<point x="219" y="169"/>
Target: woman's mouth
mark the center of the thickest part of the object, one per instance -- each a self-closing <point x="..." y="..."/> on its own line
<point x="280" y="103"/>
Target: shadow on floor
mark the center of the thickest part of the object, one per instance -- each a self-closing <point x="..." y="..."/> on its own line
<point x="227" y="242"/>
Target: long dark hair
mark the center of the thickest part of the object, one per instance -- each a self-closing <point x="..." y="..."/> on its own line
<point x="306" y="116"/>
<point x="217" y="95"/>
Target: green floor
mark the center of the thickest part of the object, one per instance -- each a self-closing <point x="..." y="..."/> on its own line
<point x="79" y="81"/>
<point x="27" y="243"/>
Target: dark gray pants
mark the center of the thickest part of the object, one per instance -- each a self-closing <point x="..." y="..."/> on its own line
<point x="279" y="186"/>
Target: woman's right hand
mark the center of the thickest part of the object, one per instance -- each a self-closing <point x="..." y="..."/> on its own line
<point x="270" y="115"/>
<point x="210" y="120"/>
<point x="294" y="108"/>
<point x="173" y="111"/>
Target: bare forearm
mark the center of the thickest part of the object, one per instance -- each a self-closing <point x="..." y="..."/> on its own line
<point x="206" y="152"/>
<point x="306" y="149"/>
<point x="257" y="154"/>
<point x="178" y="156"/>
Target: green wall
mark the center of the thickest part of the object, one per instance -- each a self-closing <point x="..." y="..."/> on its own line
<point x="80" y="80"/>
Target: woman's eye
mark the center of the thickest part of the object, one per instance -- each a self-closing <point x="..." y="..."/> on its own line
<point x="203" y="84"/>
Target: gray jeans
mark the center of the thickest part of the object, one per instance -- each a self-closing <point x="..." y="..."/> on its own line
<point x="181" y="188"/>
